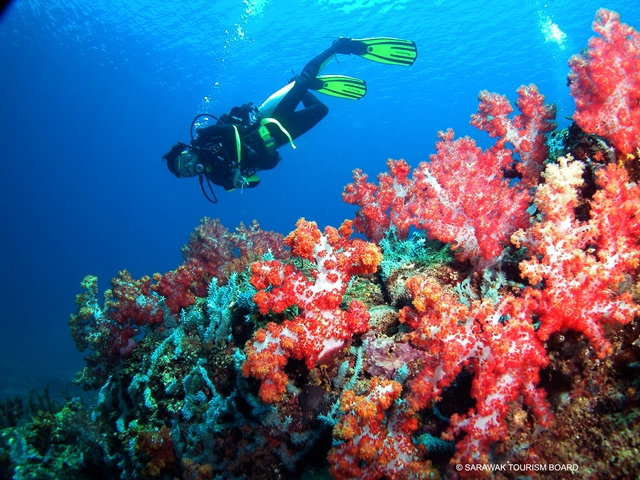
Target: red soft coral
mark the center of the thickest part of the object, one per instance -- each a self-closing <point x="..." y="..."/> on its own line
<point x="320" y="326"/>
<point x="214" y="252"/>
<point x="526" y="131"/>
<point x="132" y="301"/>
<point x="605" y="83"/>
<point x="383" y="205"/>
<point x="211" y="246"/>
<point x="462" y="196"/>
<point x="498" y="342"/>
<point x="465" y="200"/>
<point x="181" y="286"/>
<point x="584" y="265"/>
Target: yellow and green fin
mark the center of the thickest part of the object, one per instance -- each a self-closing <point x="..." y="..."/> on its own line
<point x="340" y="86"/>
<point x="392" y="51"/>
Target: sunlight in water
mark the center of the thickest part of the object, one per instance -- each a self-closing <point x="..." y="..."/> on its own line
<point x="552" y="32"/>
<point x="381" y="6"/>
<point x="255" y="7"/>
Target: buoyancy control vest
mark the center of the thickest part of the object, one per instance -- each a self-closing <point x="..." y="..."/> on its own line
<point x="252" y="140"/>
<point x="253" y="134"/>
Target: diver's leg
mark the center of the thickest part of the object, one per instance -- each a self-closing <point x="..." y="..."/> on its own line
<point x="310" y="100"/>
<point x="313" y="68"/>
<point x="310" y="71"/>
<point x="300" y="121"/>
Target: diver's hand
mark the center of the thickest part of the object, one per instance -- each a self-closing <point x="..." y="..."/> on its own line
<point x="238" y="180"/>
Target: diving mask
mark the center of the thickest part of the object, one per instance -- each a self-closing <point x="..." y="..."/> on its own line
<point x="187" y="164"/>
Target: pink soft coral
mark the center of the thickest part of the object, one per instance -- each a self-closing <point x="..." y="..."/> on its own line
<point x="584" y="265"/>
<point x="497" y="341"/>
<point x="605" y="83"/>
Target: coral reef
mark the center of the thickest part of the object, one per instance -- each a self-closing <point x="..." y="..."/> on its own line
<point x="462" y="196"/>
<point x="109" y="332"/>
<point x="214" y="252"/>
<point x="605" y="83"/>
<point x="320" y="326"/>
<point x="501" y="339"/>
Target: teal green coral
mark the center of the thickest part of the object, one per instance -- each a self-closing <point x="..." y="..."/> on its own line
<point x="51" y="446"/>
<point x="417" y="249"/>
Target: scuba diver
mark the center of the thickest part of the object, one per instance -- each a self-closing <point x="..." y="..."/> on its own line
<point x="244" y="141"/>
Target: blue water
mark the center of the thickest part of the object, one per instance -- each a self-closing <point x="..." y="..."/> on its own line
<point x="93" y="93"/>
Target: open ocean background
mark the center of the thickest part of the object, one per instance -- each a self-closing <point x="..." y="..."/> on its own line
<point x="93" y="93"/>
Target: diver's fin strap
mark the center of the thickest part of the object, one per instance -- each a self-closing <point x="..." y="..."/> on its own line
<point x="264" y="121"/>
<point x="238" y="143"/>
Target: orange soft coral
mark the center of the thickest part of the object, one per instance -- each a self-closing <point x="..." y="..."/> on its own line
<point x="376" y="435"/>
<point x="320" y="326"/>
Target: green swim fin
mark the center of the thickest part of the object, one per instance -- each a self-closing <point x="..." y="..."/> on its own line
<point x="392" y="51"/>
<point x="339" y="86"/>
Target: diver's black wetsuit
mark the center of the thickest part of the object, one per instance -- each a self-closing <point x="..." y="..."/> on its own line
<point x="254" y="156"/>
<point x="246" y="140"/>
<point x="222" y="161"/>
